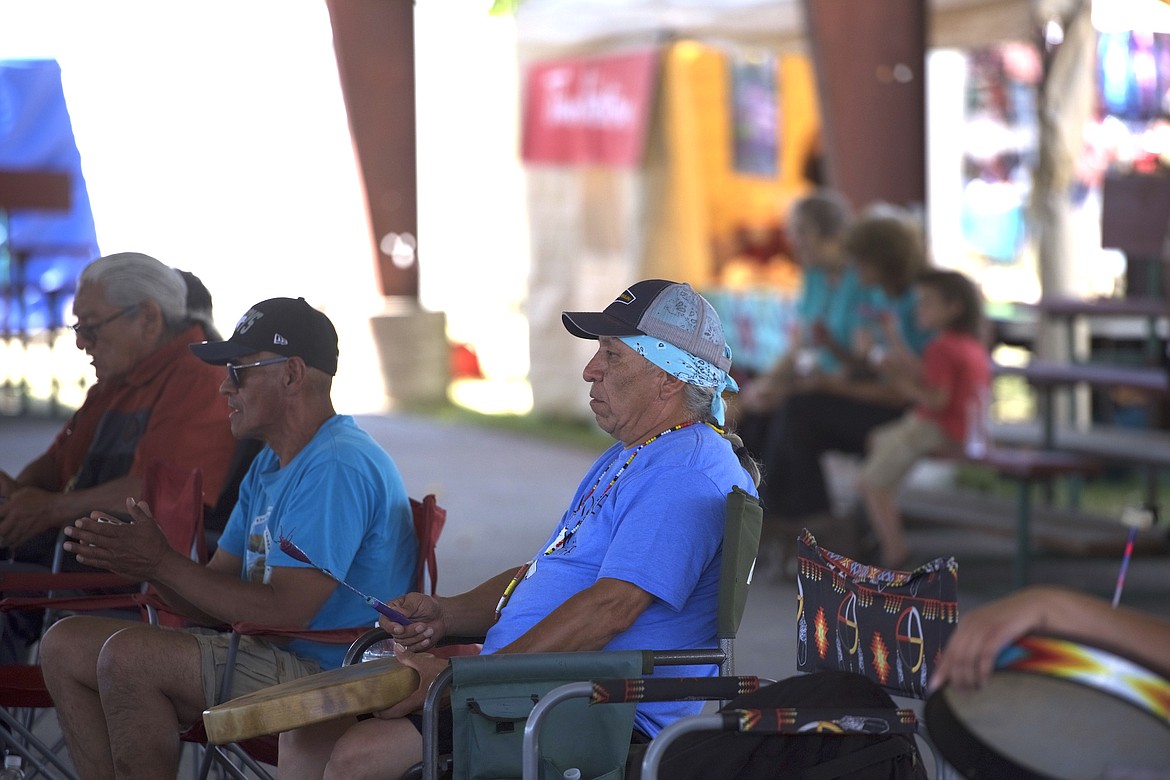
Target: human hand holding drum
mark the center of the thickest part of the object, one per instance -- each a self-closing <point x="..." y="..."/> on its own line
<point x="428" y="668"/>
<point x="1049" y="682"/>
<point x="970" y="653"/>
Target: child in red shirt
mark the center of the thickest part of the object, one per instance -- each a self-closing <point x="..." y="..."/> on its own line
<point x="951" y="378"/>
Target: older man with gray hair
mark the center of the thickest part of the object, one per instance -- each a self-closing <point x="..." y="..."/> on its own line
<point x="632" y="563"/>
<point x="152" y="400"/>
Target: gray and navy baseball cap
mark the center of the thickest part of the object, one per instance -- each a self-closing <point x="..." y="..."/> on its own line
<point x="660" y="309"/>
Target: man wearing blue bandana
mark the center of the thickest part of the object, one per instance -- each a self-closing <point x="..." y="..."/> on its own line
<point x="656" y="496"/>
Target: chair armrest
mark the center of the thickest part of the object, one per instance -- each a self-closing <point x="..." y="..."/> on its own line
<point x="56" y="591"/>
<point x="329" y="636"/>
<point x="46" y="582"/>
<point x="83" y="603"/>
<point x="626" y="691"/>
<point x="430" y="726"/>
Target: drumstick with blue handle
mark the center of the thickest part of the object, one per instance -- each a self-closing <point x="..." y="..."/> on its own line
<point x="1124" y="566"/>
<point x="1135" y="519"/>
<point x="291" y="550"/>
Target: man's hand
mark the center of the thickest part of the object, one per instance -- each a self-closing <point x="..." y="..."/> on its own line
<point x="428" y="626"/>
<point x="428" y="668"/>
<point x="135" y="550"/>
<point x="27" y="512"/>
<point x="970" y="654"/>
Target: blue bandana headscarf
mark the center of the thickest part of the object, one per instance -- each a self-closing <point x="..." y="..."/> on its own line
<point x="685" y="366"/>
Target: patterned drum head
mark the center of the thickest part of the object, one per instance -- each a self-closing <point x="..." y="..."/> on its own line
<point x="1055" y="708"/>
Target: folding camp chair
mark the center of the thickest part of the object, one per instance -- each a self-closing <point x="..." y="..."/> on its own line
<point x="233" y="756"/>
<point x="743" y="519"/>
<point x="887" y="625"/>
<point x="175" y="496"/>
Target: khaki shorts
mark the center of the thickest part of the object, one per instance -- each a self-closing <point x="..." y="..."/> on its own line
<point x="259" y="663"/>
<point x="895" y="447"/>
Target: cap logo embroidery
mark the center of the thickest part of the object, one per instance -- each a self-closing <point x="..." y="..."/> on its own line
<point x="279" y="340"/>
<point x="250" y="318"/>
<point x="626" y="297"/>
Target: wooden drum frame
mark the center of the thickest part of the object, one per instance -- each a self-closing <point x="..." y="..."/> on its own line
<point x="352" y="690"/>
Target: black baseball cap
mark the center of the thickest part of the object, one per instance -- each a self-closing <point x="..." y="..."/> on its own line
<point x="286" y="326"/>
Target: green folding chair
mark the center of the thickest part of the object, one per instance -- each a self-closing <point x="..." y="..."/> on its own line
<point x="743" y="518"/>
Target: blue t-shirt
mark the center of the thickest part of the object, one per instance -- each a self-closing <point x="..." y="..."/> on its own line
<point x="836" y="304"/>
<point x="343" y="502"/>
<point x="660" y="527"/>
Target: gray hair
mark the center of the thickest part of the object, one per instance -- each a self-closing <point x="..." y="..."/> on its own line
<point x="697" y="404"/>
<point x="129" y="278"/>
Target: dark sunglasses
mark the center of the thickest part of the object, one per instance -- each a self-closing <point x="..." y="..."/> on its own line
<point x="90" y="332"/>
<point x="233" y="370"/>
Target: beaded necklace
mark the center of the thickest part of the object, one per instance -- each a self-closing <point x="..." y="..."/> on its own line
<point x="567" y="534"/>
<point x="564" y="536"/>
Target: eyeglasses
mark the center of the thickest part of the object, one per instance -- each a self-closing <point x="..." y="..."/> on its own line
<point x="90" y="332"/>
<point x="234" y="370"/>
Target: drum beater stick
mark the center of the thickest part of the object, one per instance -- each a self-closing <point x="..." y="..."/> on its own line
<point x="1134" y="518"/>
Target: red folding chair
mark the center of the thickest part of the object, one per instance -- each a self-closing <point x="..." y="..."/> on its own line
<point x="175" y="496"/>
<point x="429" y="519"/>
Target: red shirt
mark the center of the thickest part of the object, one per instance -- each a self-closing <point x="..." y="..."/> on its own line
<point x="168" y="407"/>
<point x="960" y="365"/>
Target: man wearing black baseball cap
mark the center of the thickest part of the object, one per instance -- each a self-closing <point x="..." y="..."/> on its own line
<point x="286" y="326"/>
<point x="320" y="480"/>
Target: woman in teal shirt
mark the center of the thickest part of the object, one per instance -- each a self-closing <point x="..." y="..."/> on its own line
<point x="836" y="411"/>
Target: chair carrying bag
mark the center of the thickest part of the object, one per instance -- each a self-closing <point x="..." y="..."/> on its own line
<point x="491" y="697"/>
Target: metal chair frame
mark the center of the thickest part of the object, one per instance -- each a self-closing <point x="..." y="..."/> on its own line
<point x="743" y="518"/>
<point x="721" y="722"/>
<point x="170" y="490"/>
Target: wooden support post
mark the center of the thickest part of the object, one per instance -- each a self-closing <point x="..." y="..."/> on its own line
<point x="374" y="41"/>
<point x="871" y="79"/>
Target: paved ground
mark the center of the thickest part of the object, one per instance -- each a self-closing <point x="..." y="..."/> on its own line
<point x="503" y="491"/>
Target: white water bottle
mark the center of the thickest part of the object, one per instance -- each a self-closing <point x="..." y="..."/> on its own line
<point x="383" y="648"/>
<point x="12" y="768"/>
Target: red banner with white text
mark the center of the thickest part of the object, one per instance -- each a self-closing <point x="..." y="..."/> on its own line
<point x="589" y="111"/>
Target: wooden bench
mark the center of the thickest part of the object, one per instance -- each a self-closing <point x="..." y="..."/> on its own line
<point x="1058" y="530"/>
<point x="1027" y="468"/>
<point x="1049" y="374"/>
<point x="1061" y="306"/>
<point x="1133" y="320"/>
<point x="1138" y="446"/>
<point x="1145" y="447"/>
